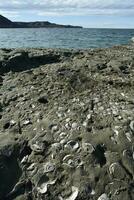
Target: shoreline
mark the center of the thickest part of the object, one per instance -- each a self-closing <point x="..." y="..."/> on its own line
<point x="67" y="123"/>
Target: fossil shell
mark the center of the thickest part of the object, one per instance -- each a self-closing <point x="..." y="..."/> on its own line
<point x="68" y="161"/>
<point x="49" y="167"/>
<point x="112" y="167"/>
<point x="103" y="197"/>
<point x="129" y="136"/>
<point x="24" y="159"/>
<point x="132" y="125"/>
<point x="43" y="183"/>
<point x="72" y="145"/>
<point x="73" y="196"/>
<point x="37" y="147"/>
<point x="87" y="147"/>
<point x="37" y="144"/>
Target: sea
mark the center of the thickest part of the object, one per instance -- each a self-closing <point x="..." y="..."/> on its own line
<point x="64" y="38"/>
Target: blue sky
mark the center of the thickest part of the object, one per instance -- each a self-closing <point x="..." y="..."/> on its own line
<point x="87" y="13"/>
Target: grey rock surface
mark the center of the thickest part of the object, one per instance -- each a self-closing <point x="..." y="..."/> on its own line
<point x="67" y="124"/>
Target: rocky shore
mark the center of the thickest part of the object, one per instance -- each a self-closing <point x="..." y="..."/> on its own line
<point x="67" y="124"/>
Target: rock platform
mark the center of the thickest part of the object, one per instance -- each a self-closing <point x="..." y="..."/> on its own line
<point x="67" y="124"/>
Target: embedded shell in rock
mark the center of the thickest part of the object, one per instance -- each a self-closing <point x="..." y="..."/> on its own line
<point x="67" y="124"/>
<point x="43" y="184"/>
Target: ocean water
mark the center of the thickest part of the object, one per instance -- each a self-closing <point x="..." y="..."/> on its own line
<point x="64" y="38"/>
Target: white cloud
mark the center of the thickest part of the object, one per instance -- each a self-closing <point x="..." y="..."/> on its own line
<point x="69" y="7"/>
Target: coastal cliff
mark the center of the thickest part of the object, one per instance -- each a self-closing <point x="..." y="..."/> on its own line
<point x="6" y="23"/>
<point x="67" y="124"/>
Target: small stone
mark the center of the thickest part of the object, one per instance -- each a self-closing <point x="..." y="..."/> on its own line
<point x="74" y="125"/>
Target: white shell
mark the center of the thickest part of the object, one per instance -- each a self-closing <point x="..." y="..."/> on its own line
<point x="72" y="145"/>
<point x="48" y="167"/>
<point x="74" y="194"/>
<point x="103" y="197"/>
<point x="37" y="147"/>
<point x="112" y="167"/>
<point x="42" y="187"/>
<point x="24" y="159"/>
<point x="12" y="122"/>
<point x="129" y="136"/>
<point x="89" y="116"/>
<point x="26" y="122"/>
<point x="132" y="125"/>
<point x="31" y="167"/>
<point x="68" y="161"/>
<point x="87" y="147"/>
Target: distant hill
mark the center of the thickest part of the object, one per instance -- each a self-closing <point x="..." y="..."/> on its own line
<point x="6" y="23"/>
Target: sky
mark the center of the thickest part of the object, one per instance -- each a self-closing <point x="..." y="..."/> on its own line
<point x="86" y="13"/>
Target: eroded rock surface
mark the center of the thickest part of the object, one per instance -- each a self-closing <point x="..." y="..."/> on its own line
<point x="67" y="124"/>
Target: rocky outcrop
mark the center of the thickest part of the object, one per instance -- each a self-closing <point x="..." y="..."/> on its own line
<point x="67" y="124"/>
<point x="6" y="23"/>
